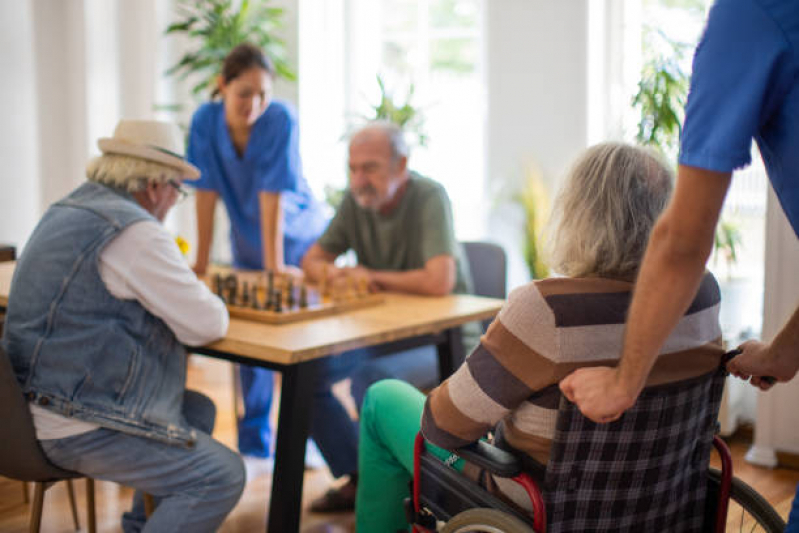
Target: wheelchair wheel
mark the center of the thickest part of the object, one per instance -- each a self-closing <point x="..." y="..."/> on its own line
<point x="748" y="510"/>
<point x="484" y="520"/>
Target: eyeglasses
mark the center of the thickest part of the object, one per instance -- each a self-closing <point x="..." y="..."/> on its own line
<point x="183" y="192"/>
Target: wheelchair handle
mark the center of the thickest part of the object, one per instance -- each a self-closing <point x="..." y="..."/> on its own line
<point x="729" y="356"/>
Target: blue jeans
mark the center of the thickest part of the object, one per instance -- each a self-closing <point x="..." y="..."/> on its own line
<point x="793" y="518"/>
<point x="334" y="431"/>
<point x="255" y="432"/>
<point x="194" y="488"/>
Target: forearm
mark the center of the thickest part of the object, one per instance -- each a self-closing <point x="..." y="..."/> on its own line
<point x="667" y="283"/>
<point x="272" y="231"/>
<point x="410" y="281"/>
<point x="785" y="345"/>
<point x="206" y="206"/>
<point x="671" y="271"/>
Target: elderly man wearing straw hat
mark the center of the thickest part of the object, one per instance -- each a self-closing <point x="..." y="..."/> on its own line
<point x="100" y="307"/>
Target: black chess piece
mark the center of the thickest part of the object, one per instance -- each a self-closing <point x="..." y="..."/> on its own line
<point x="245" y="294"/>
<point x="303" y="296"/>
<point x="232" y="286"/>
<point x="219" y="286"/>
<point x="278" y="301"/>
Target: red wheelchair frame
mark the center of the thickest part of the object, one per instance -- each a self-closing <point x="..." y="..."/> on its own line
<point x="537" y="500"/>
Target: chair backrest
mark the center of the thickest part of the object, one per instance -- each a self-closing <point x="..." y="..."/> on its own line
<point x="646" y="471"/>
<point x="488" y="265"/>
<point x="20" y="455"/>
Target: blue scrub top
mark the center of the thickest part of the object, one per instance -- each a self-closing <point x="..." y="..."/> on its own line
<point x="745" y="85"/>
<point x="270" y="163"/>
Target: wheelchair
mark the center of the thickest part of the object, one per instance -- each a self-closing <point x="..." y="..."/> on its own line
<point x="567" y="494"/>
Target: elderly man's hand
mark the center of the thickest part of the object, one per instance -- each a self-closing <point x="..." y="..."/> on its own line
<point x="758" y="359"/>
<point x="598" y="392"/>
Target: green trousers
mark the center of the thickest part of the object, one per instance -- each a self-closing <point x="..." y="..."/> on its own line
<point x="390" y="419"/>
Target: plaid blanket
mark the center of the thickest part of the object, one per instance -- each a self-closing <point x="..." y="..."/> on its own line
<point x="643" y="472"/>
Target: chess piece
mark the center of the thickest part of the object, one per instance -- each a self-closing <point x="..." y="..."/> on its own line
<point x="290" y="293"/>
<point x="254" y="297"/>
<point x="245" y="294"/>
<point x="303" y="296"/>
<point x="270" y="282"/>
<point x="218" y="286"/>
<point x="232" y="286"/>
<point x="278" y="301"/>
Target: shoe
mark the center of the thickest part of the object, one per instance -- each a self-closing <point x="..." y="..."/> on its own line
<point x="313" y="457"/>
<point x="255" y="467"/>
<point x="336" y="500"/>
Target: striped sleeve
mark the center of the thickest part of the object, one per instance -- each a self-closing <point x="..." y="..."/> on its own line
<point x="505" y="369"/>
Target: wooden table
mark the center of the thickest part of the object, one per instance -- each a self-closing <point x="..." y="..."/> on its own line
<point x="402" y="322"/>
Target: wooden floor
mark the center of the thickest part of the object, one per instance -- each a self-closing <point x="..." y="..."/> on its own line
<point x="215" y="379"/>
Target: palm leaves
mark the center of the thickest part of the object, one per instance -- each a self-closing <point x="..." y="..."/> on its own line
<point x="216" y="27"/>
<point x="404" y="115"/>
<point x="661" y="97"/>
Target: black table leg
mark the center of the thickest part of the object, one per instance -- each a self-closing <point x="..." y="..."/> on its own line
<point x="450" y="353"/>
<point x="294" y="420"/>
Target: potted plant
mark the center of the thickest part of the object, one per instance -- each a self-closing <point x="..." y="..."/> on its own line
<point x="534" y="201"/>
<point x="215" y="27"/>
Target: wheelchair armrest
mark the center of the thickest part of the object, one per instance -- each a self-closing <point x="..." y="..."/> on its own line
<point x="497" y="461"/>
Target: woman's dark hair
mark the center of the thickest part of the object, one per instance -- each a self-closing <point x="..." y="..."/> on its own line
<point x="241" y="59"/>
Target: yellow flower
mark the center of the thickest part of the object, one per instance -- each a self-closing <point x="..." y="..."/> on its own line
<point x="183" y="245"/>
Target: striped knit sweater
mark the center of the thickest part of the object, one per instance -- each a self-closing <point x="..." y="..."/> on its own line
<point x="547" y="329"/>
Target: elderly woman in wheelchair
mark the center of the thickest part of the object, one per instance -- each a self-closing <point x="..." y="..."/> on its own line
<point x="508" y="385"/>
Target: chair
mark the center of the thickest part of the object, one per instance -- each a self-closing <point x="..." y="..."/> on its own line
<point x="21" y="457"/>
<point x="655" y="456"/>
<point x="488" y="265"/>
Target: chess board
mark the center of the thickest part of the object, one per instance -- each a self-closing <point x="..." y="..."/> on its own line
<point x="276" y="299"/>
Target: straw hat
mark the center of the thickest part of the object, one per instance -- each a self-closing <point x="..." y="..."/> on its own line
<point x="160" y="142"/>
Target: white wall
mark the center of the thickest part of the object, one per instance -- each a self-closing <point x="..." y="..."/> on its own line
<point x="776" y="428"/>
<point x="19" y="186"/>
<point x="536" y="72"/>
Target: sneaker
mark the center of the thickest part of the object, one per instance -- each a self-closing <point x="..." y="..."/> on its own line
<point x="256" y="467"/>
<point x="313" y="457"/>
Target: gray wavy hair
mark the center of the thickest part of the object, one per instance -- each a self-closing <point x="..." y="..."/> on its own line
<point x="605" y="211"/>
<point x="128" y="173"/>
<point x="394" y="134"/>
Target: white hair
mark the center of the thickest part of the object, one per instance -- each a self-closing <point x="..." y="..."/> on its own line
<point x="394" y="134"/>
<point x="606" y="209"/>
<point x="128" y="173"/>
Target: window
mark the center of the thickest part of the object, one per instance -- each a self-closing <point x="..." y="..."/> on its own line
<point x="427" y="52"/>
<point x="738" y="257"/>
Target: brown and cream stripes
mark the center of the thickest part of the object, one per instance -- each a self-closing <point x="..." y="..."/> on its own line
<point x="546" y="330"/>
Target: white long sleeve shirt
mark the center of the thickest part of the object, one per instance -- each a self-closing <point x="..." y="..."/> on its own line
<point x="143" y="263"/>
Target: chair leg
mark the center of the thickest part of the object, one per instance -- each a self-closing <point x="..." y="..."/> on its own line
<point x="73" y="507"/>
<point x="149" y="505"/>
<point x="36" y="510"/>
<point x="25" y="496"/>
<point x="91" y="517"/>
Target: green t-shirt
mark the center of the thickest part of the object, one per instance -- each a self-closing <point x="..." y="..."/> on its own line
<point x="418" y="229"/>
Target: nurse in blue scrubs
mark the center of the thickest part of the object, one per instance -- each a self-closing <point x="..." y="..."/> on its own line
<point x="246" y="145"/>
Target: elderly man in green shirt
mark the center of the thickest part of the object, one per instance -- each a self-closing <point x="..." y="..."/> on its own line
<point x="399" y="224"/>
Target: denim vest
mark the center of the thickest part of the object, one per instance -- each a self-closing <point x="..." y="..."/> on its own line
<point x="76" y="349"/>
